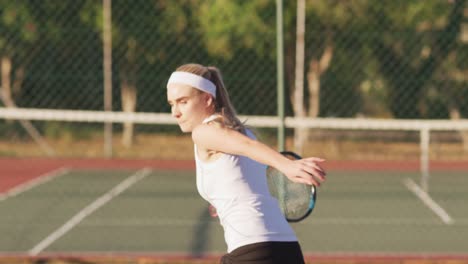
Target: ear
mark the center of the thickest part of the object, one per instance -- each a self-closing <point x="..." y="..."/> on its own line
<point x="209" y="100"/>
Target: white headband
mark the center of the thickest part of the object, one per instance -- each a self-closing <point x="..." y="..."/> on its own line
<point x="193" y="80"/>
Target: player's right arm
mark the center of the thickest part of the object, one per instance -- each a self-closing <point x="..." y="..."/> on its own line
<point x="222" y="139"/>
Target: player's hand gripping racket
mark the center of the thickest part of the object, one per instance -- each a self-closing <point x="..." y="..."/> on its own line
<point x="296" y="200"/>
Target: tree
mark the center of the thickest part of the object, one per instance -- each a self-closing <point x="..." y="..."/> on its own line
<point x="240" y="36"/>
<point x="19" y="33"/>
<point x="331" y="50"/>
<point x="143" y="33"/>
<point x="414" y="39"/>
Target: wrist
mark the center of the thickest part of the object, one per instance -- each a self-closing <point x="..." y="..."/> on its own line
<point x="283" y="164"/>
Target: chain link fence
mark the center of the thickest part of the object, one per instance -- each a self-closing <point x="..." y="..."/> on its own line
<point x="378" y="59"/>
<point x="56" y="53"/>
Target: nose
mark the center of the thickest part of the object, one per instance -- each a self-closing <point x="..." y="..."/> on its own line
<point x="175" y="111"/>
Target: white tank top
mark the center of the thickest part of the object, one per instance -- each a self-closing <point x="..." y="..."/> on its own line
<point x="236" y="186"/>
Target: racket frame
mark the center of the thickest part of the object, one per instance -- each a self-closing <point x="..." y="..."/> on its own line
<point x="313" y="192"/>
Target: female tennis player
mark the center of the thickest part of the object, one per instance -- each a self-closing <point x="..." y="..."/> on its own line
<point x="231" y="169"/>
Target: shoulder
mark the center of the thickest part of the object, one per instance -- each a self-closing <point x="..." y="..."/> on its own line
<point x="207" y="129"/>
<point x="208" y="137"/>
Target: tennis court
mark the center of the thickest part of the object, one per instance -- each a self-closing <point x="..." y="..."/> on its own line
<point x="153" y="209"/>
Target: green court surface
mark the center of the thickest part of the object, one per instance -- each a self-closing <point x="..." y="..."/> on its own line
<point x="160" y="212"/>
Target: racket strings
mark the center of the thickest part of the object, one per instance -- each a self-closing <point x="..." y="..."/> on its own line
<point x="293" y="198"/>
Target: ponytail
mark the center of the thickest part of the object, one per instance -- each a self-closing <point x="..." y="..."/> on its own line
<point x="223" y="105"/>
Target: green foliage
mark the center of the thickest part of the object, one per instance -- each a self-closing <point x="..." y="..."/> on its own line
<point x="70" y="131"/>
<point x="18" y="28"/>
<point x="386" y="54"/>
<point x="227" y="26"/>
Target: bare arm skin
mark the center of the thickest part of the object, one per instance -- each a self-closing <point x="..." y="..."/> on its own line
<point x="221" y="139"/>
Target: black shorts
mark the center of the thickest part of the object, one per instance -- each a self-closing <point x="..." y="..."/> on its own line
<point x="266" y="253"/>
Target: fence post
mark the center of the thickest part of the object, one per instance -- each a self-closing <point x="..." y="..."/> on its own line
<point x="424" y="144"/>
<point x="280" y="72"/>
<point x="107" y="67"/>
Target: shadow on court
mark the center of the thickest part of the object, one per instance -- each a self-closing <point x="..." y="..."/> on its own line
<point x="201" y="235"/>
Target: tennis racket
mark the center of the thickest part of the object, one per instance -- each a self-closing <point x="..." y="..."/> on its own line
<point x="296" y="200"/>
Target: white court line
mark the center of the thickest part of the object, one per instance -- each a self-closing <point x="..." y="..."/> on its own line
<point x="33" y="183"/>
<point x="89" y="210"/>
<point x="427" y="200"/>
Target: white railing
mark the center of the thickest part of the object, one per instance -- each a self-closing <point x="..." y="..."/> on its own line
<point x="424" y="127"/>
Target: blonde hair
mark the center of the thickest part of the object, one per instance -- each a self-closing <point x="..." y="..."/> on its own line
<point x="223" y="105"/>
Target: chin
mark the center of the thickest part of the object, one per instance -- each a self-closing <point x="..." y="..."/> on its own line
<point x="185" y="129"/>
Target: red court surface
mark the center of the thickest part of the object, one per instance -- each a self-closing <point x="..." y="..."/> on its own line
<point x="14" y="172"/>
